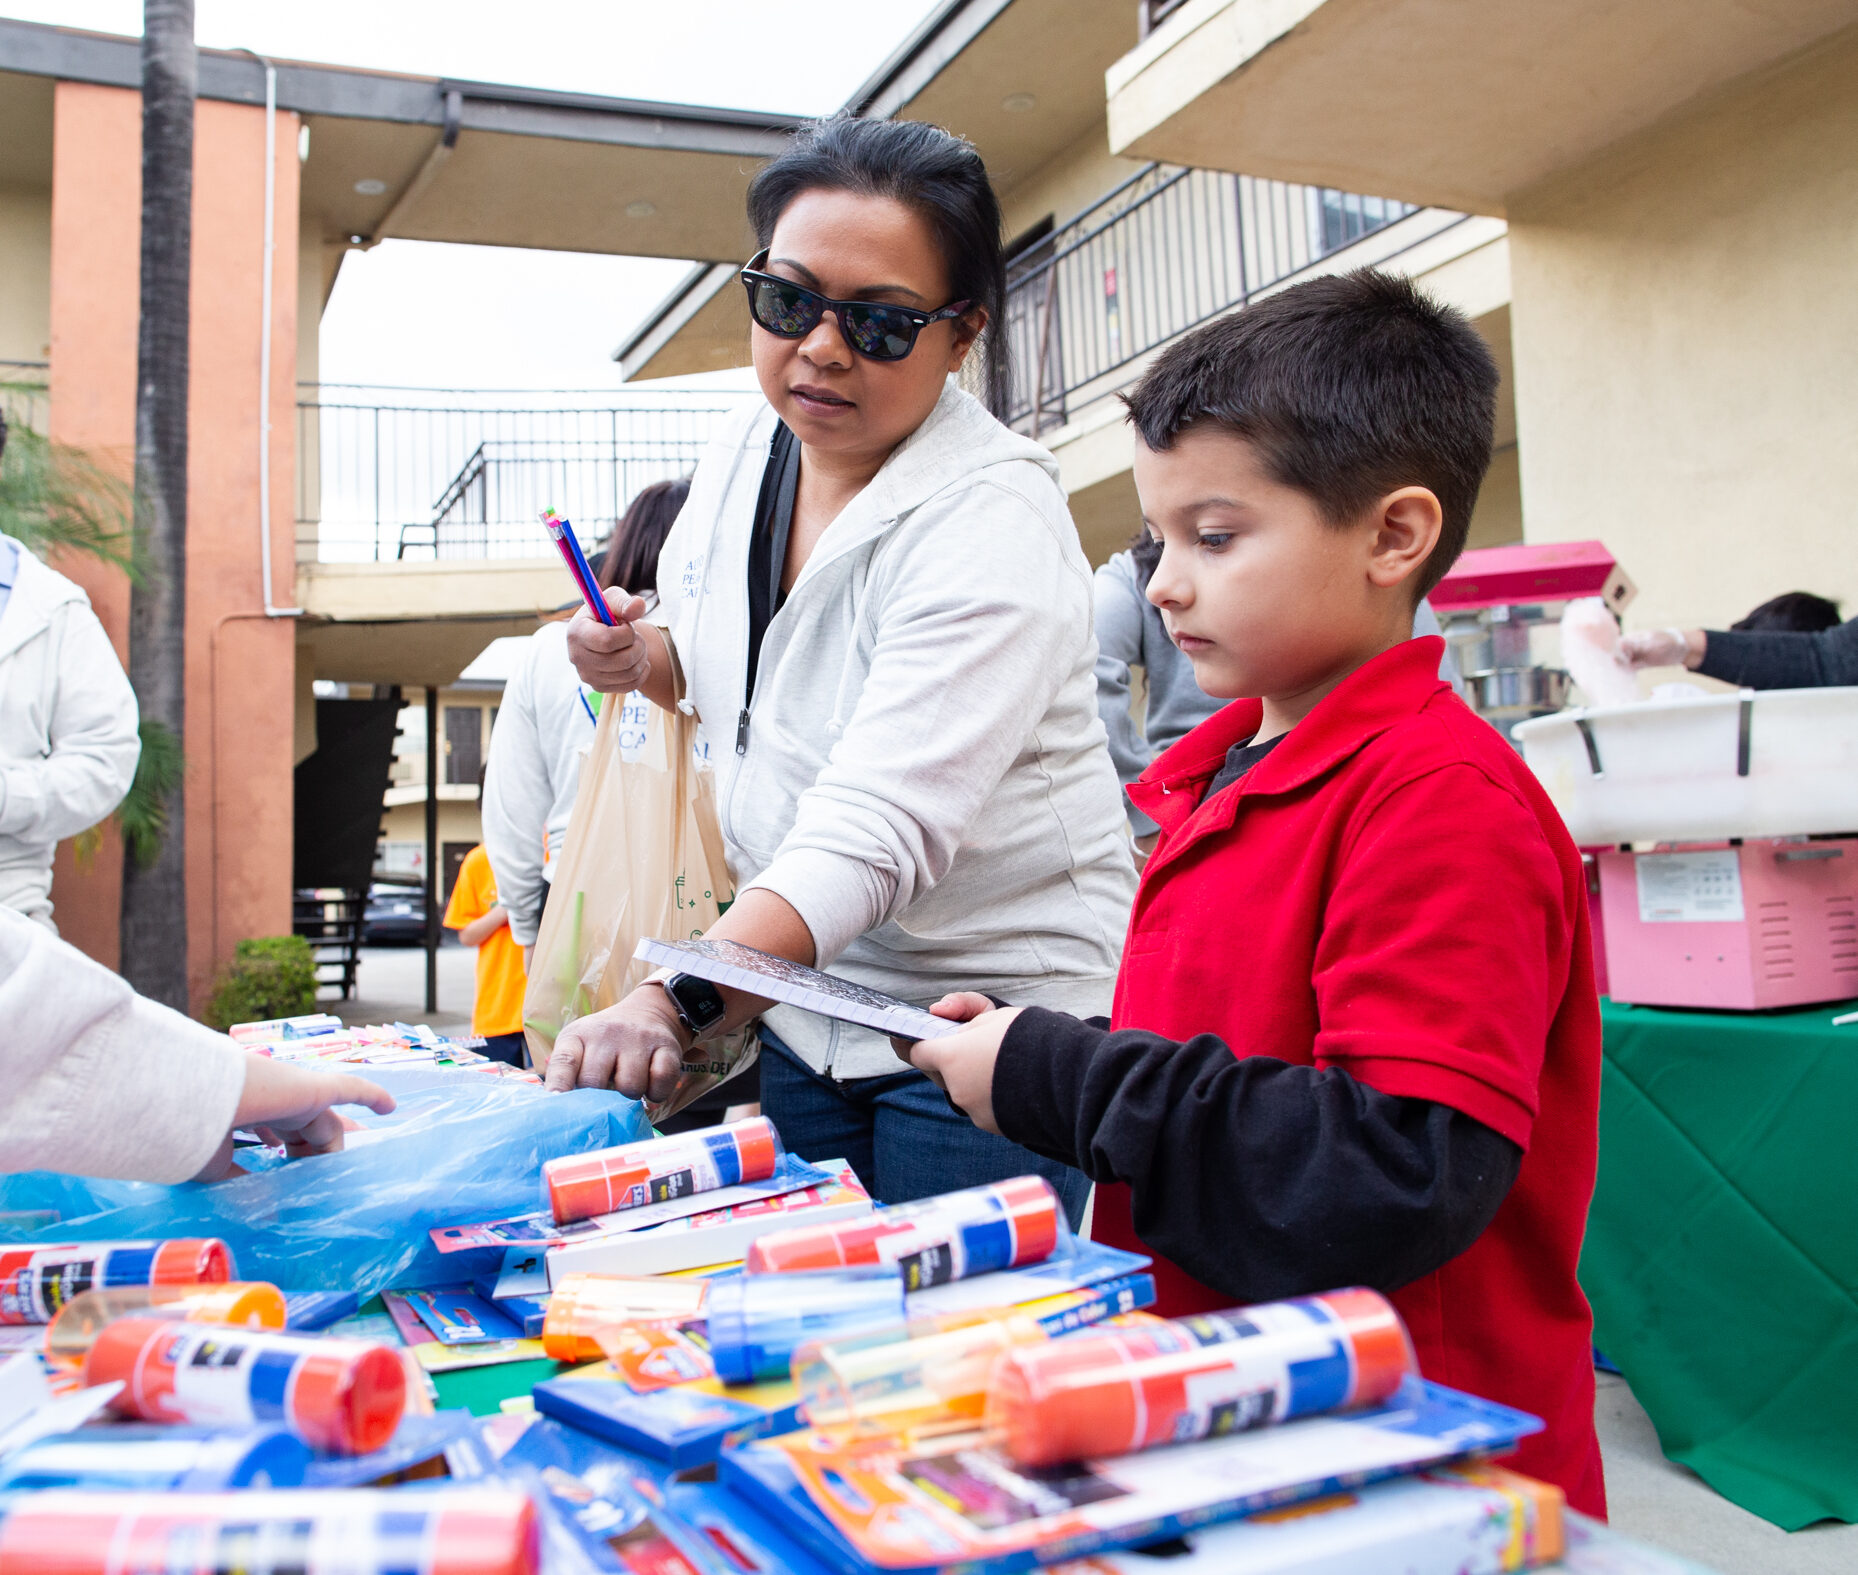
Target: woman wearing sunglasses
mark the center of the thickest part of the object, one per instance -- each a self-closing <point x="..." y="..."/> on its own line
<point x="883" y="619"/>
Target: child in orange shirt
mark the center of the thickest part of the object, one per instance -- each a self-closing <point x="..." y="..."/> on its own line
<point x="483" y="922"/>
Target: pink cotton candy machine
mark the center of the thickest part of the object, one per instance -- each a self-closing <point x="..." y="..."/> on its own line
<point x="1495" y="599"/>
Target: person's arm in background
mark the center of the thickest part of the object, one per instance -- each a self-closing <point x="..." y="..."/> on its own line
<point x="480" y="930"/>
<point x="103" y="1082"/>
<point x="517" y="799"/>
<point x="95" y="745"/>
<point x="1119" y="603"/>
<point x="1752" y="659"/>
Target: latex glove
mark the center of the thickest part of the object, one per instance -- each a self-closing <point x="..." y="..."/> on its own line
<point x="293" y="1105"/>
<point x="636" y="1046"/>
<point x="613" y="659"/>
<point x="1662" y="647"/>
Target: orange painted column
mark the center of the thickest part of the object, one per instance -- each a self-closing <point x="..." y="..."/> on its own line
<point x="240" y="664"/>
<point x="96" y="229"/>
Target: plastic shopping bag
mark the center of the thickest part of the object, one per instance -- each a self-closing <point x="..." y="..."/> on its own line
<point x="643" y="857"/>
<point x="460" y="1146"/>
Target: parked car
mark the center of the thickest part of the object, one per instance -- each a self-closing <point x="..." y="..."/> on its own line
<point x="394" y="915"/>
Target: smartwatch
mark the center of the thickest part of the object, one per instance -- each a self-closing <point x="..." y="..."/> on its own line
<point x="697" y="1002"/>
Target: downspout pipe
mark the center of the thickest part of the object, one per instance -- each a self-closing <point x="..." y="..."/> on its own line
<point x="271" y="608"/>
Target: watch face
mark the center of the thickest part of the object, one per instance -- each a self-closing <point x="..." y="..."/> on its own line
<point x="698" y="1001"/>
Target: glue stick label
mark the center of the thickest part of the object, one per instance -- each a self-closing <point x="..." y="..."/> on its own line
<point x="36" y="1283"/>
<point x="217" y="1377"/>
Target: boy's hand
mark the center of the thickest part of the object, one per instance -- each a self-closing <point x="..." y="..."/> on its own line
<point x="962" y="1064"/>
<point x="292" y="1105"/>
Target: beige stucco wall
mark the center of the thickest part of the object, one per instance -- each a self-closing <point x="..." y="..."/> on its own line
<point x="1064" y="186"/>
<point x="25" y="274"/>
<point x="1686" y="341"/>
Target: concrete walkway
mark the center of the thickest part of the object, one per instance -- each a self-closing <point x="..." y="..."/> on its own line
<point x="390" y="986"/>
<point x="1669" y="1506"/>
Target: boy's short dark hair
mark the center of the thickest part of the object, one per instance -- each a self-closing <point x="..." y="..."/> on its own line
<point x="1350" y="386"/>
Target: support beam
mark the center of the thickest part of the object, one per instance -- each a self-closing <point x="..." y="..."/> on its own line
<point x="432" y="850"/>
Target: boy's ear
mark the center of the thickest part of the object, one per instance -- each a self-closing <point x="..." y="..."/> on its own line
<point x="1406" y="529"/>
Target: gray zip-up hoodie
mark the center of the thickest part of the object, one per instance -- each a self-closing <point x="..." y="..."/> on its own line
<point x="922" y="773"/>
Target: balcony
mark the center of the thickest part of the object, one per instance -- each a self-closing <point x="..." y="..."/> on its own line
<point x="1462" y="103"/>
<point x="1162" y="253"/>
<point x="418" y="534"/>
<point x="386" y="481"/>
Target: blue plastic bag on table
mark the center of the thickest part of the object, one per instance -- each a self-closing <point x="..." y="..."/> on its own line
<point x="461" y="1147"/>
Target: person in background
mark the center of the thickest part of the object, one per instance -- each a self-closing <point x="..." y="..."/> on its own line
<point x="68" y="719"/>
<point x="102" y="1082"/>
<point x="1799" y="611"/>
<point x="1786" y="643"/>
<point x="484" y="922"/>
<point x="1131" y="634"/>
<point x="546" y="723"/>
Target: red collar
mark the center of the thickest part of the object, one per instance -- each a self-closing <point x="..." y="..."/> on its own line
<point x="1378" y="694"/>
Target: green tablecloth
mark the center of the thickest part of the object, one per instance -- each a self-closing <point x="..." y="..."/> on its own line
<point x="1722" y="1251"/>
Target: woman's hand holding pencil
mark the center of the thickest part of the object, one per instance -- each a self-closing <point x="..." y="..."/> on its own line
<point x="612" y="658"/>
<point x="609" y="653"/>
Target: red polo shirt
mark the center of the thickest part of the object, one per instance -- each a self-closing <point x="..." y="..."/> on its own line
<point x="1390" y="892"/>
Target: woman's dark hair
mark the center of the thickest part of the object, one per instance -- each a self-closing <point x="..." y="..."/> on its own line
<point x="1799" y="612"/>
<point x="631" y="558"/>
<point x="921" y="166"/>
<point x="1146" y="552"/>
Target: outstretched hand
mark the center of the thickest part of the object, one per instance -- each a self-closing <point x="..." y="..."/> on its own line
<point x="294" y="1106"/>
<point x="962" y="1064"/>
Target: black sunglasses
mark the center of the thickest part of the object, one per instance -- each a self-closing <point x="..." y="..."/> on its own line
<point x="883" y="333"/>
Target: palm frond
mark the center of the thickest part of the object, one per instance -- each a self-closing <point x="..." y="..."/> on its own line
<point x="54" y="495"/>
<point x="143" y="813"/>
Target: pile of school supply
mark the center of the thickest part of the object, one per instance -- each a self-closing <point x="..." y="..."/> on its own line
<point x="954" y="1381"/>
<point x="320" y="1039"/>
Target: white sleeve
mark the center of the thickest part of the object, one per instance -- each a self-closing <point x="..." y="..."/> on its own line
<point x="979" y="621"/>
<point x="99" y="1080"/>
<point x="517" y="799"/>
<point x="94" y="741"/>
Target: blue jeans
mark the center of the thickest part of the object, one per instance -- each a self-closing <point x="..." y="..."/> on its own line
<point x="899" y="1133"/>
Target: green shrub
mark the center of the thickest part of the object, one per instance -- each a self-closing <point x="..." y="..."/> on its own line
<point x="272" y="976"/>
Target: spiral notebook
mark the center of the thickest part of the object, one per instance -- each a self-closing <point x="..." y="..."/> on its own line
<point x="792" y="984"/>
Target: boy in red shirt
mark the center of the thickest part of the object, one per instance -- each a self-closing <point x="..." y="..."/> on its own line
<point x="1356" y="1038"/>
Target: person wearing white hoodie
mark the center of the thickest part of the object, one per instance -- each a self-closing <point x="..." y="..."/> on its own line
<point x="103" y="1082"/>
<point x="68" y="740"/>
<point x="882" y="614"/>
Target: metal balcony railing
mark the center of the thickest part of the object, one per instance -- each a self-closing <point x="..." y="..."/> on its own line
<point x="1163" y="252"/>
<point x="383" y="481"/>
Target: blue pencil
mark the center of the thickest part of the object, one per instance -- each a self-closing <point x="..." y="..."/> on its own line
<point x="562" y="532"/>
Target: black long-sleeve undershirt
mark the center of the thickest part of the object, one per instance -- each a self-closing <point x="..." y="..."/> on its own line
<point x="1260" y="1178"/>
